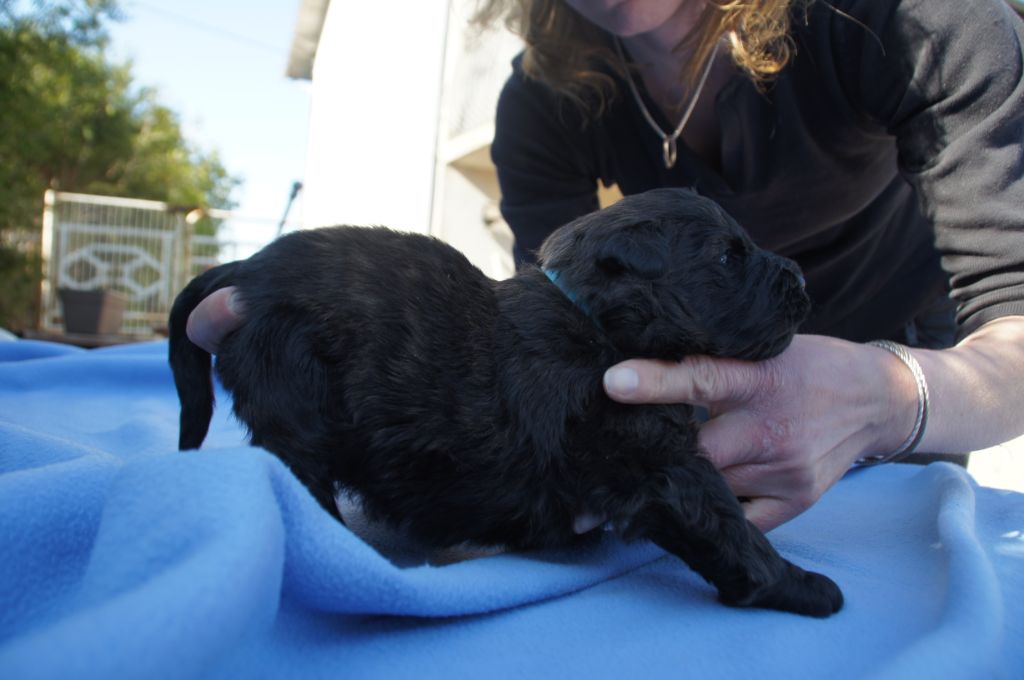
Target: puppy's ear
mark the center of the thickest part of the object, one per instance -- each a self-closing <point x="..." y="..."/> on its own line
<point x="641" y="252"/>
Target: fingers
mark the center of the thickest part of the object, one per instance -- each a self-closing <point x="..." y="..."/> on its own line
<point x="766" y="513"/>
<point x="775" y="434"/>
<point x="756" y="461"/>
<point x="698" y="380"/>
<point x="213" y="318"/>
<point x="735" y="438"/>
<point x="772" y="496"/>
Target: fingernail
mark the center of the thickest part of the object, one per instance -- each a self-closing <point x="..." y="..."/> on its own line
<point x="196" y="333"/>
<point x="621" y="381"/>
<point x="234" y="304"/>
<point x="581" y="524"/>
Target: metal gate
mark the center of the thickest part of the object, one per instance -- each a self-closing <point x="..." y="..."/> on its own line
<point x="145" y="250"/>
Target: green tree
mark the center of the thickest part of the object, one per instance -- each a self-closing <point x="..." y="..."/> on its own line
<point x="73" y="120"/>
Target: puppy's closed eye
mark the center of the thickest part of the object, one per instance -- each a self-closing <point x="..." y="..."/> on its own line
<point x="733" y="252"/>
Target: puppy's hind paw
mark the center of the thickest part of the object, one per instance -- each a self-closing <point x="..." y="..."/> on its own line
<point x="801" y="592"/>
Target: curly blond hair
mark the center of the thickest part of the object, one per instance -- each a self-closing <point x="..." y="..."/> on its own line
<point x="574" y="56"/>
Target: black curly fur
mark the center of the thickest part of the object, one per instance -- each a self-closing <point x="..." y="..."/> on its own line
<point x="465" y="409"/>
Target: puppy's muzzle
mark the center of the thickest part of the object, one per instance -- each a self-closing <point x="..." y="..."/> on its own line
<point x="789" y="285"/>
<point x="790" y="273"/>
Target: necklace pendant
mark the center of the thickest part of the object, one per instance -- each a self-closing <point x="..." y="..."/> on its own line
<point x="668" y="142"/>
<point x="668" y="152"/>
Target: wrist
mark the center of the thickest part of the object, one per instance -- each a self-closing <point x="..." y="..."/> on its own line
<point x="904" y="402"/>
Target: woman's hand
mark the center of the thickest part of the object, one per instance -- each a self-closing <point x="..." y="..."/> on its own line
<point x="218" y="314"/>
<point x="784" y="430"/>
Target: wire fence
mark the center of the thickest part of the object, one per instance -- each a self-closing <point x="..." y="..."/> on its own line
<point x="142" y="252"/>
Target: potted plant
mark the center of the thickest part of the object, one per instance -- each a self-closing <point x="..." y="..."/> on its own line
<point x="92" y="312"/>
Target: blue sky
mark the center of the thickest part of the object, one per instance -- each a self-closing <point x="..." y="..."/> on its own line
<point x="220" y="64"/>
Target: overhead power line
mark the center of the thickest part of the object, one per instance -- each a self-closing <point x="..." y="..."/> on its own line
<point x="217" y="31"/>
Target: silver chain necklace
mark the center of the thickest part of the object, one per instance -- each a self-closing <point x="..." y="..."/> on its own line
<point x="668" y="141"/>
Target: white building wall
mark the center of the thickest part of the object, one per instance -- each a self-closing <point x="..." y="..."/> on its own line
<point x="402" y="107"/>
<point x="374" y="114"/>
<point x="466" y="192"/>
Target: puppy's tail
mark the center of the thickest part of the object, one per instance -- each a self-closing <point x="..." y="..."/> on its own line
<point x="191" y="364"/>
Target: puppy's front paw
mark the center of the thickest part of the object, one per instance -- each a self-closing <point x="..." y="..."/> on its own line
<point x="798" y="591"/>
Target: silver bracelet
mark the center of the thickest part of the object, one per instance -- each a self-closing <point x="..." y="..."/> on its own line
<point x="916" y="434"/>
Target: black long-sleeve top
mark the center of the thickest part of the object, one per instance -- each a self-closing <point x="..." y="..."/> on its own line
<point x="887" y="159"/>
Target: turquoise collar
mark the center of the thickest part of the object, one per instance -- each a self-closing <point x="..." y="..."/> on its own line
<point x="556" y="278"/>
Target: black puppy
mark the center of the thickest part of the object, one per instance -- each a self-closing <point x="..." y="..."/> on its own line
<point x="465" y="409"/>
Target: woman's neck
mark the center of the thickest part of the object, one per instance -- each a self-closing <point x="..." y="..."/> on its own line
<point x="661" y="63"/>
<point x="657" y="51"/>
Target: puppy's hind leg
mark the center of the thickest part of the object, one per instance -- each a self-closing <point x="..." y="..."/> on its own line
<point x="317" y="481"/>
<point x="281" y="392"/>
<point x="695" y="516"/>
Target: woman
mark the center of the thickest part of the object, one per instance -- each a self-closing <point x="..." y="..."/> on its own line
<point x="879" y="144"/>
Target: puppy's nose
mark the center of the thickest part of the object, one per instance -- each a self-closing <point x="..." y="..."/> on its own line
<point x="793" y="270"/>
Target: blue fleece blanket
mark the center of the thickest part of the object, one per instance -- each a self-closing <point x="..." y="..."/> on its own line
<point x="121" y="557"/>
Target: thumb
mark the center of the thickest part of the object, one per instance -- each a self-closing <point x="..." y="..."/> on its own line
<point x="697" y="379"/>
<point x="218" y="314"/>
